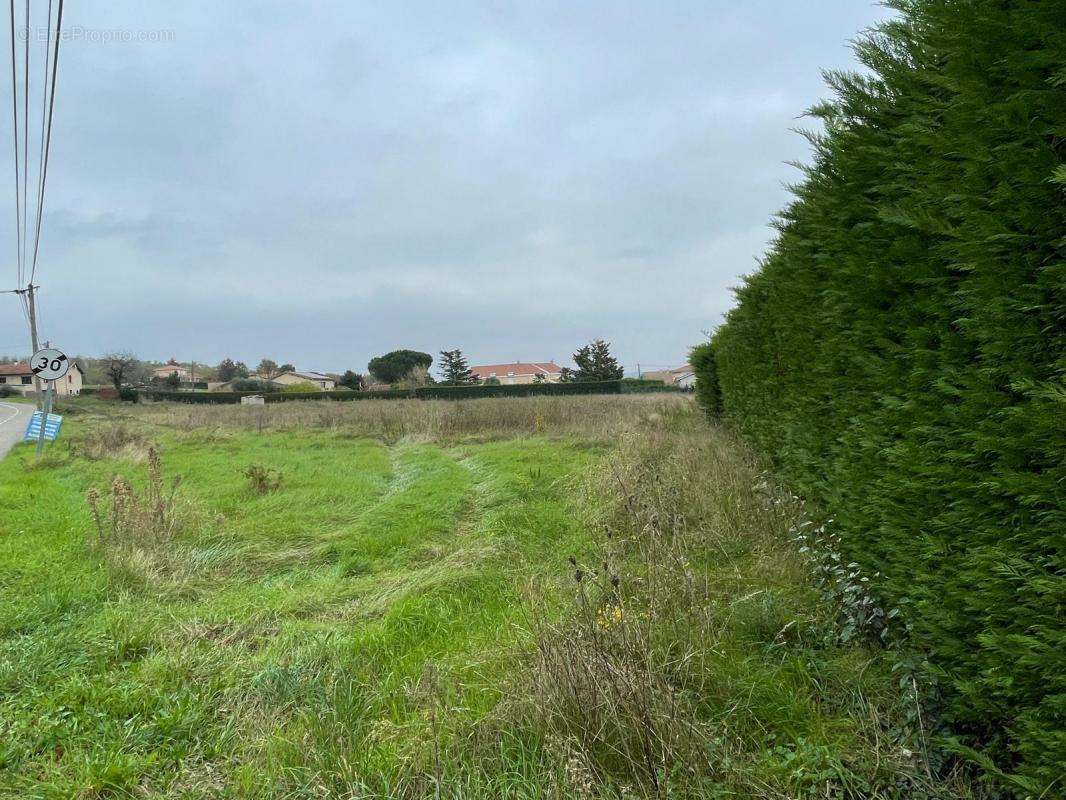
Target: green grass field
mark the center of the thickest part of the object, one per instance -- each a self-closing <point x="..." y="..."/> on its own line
<point x="399" y="615"/>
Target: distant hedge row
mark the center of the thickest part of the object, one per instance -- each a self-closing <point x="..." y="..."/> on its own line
<point x="424" y="393"/>
<point x="902" y="353"/>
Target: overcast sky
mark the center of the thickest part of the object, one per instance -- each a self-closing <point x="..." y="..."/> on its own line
<point x="320" y="182"/>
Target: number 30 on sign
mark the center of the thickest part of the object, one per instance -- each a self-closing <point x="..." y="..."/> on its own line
<point x="49" y="364"/>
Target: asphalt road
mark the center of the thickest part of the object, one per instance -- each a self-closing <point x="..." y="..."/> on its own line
<point x="14" y="417"/>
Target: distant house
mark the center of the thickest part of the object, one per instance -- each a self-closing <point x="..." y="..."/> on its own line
<point x="519" y="372"/>
<point x="324" y="382"/>
<point x="20" y="377"/>
<point x="683" y="377"/>
<point x="687" y="379"/>
<point x="172" y="367"/>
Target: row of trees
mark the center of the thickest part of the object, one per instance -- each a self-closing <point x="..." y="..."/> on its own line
<point x="594" y="363"/>
<point x="410" y="368"/>
<point x="229" y="370"/>
<point x="123" y="368"/>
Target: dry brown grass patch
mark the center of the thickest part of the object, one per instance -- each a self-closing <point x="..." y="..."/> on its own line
<point x="136" y="526"/>
<point x="601" y="417"/>
<point x="114" y="440"/>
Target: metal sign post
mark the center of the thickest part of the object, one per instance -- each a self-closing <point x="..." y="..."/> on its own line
<point x="48" y="365"/>
<point x="44" y="416"/>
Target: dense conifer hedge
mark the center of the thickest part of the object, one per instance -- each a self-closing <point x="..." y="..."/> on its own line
<point x="902" y="352"/>
<point x="708" y="392"/>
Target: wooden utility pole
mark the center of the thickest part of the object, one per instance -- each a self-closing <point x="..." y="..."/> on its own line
<point x="29" y="292"/>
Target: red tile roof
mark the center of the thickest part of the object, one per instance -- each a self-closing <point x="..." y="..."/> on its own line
<point x="21" y="368"/>
<point x="537" y="368"/>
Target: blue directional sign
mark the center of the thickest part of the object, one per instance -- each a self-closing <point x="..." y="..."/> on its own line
<point x="51" y="427"/>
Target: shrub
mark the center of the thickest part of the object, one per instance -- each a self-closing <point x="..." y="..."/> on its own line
<point x="415" y="379"/>
<point x="137" y="518"/>
<point x="111" y="441"/>
<point x="304" y="386"/>
<point x="901" y="352"/>
<point x="9" y="391"/>
<point x="262" y="480"/>
<point x="351" y="380"/>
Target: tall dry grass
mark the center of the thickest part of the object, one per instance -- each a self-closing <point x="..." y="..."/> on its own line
<point x="597" y="417"/>
<point x="699" y="659"/>
<point x="137" y="523"/>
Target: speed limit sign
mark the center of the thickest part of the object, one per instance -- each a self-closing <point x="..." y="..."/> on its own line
<point x="49" y="364"/>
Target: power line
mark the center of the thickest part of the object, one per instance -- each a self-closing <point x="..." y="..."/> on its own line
<point x="27" y="295"/>
<point x="24" y="305"/>
<point x="46" y="130"/>
<point x="25" y="133"/>
<point x="44" y="112"/>
<point x="15" y="131"/>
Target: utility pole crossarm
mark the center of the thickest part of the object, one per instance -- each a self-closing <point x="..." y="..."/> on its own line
<point x="30" y="293"/>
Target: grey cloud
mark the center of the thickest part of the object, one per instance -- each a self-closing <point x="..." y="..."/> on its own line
<point x="323" y="181"/>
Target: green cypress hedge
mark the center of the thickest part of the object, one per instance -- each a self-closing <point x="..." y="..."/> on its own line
<point x="642" y="386"/>
<point x="520" y="390"/>
<point x="901" y="352"/>
<point x="708" y="392"/>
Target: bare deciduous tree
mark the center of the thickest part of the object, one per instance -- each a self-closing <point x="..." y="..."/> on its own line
<point x="120" y="367"/>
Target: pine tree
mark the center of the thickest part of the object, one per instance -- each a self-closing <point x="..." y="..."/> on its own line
<point x="595" y="363"/>
<point x="397" y="365"/>
<point x="454" y="369"/>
